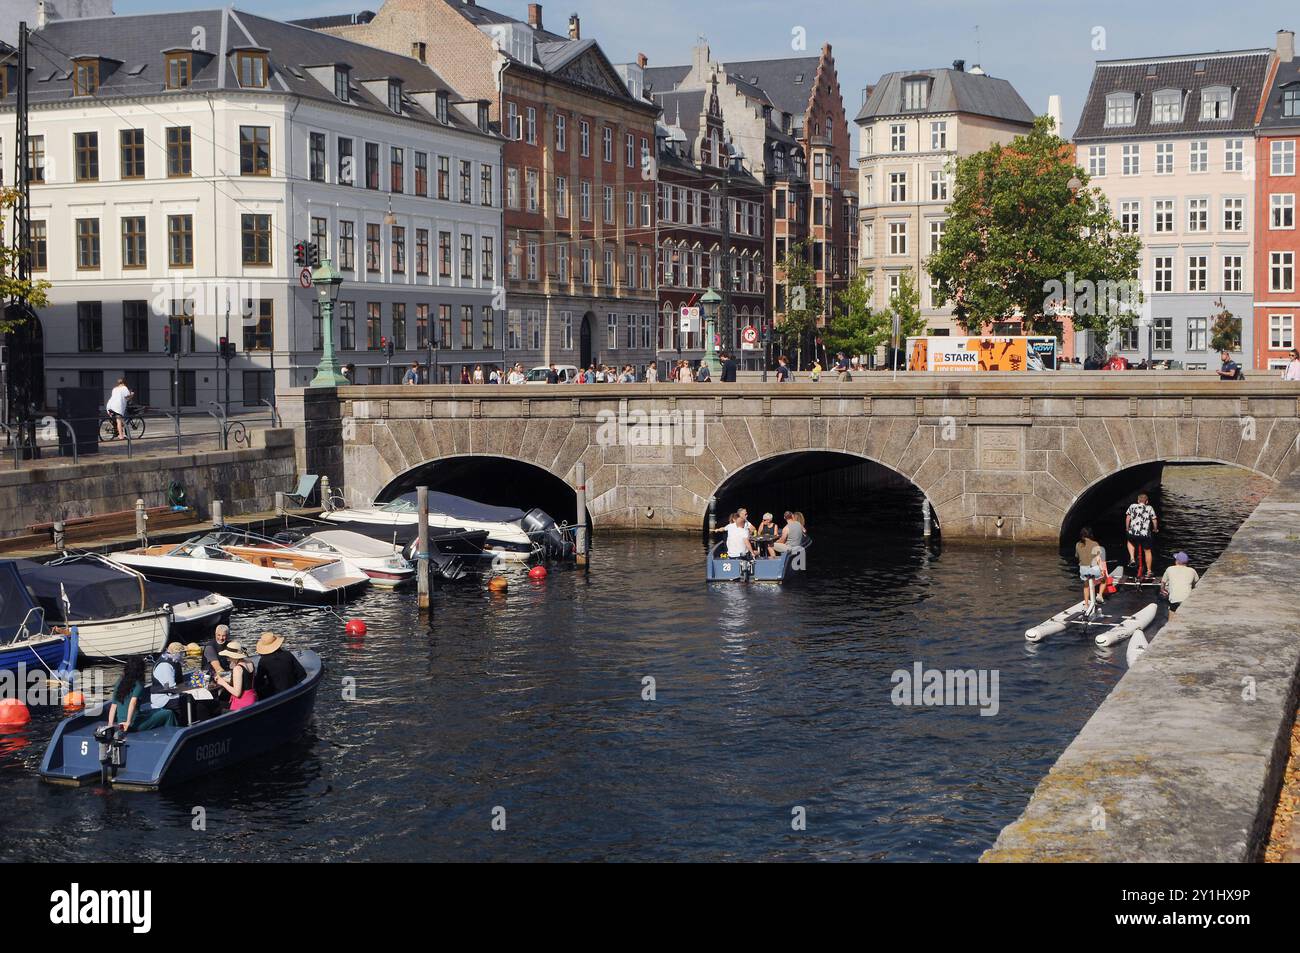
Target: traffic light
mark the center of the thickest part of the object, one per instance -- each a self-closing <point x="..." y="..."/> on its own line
<point x="226" y="349"/>
<point x="171" y="341"/>
<point x="300" y="254"/>
<point x="313" y="255"/>
<point x="387" y="345"/>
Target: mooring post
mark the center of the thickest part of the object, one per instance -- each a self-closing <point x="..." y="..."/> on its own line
<point x="60" y="537"/>
<point x="925" y="518"/>
<point x="279" y="502"/>
<point x="580" y="526"/>
<point x="713" y="514"/>
<point x="325" y="493"/>
<point x="422" y="556"/>
<point x="140" y="517"/>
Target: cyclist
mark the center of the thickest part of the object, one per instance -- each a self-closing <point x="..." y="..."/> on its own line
<point x="117" y="406"/>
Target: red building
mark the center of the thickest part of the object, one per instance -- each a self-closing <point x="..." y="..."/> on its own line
<point x="1277" y="238"/>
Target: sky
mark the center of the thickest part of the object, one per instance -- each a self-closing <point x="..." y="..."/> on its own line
<point x="1043" y="47"/>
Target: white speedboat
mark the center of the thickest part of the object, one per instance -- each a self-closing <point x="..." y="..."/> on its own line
<point x="381" y="561"/>
<point x="513" y="534"/>
<point x="252" y="570"/>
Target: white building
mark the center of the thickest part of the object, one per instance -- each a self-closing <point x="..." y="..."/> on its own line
<point x="180" y="157"/>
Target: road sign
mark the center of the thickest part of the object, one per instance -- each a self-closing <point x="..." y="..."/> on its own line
<point x="690" y="322"/>
<point x="304" y="277"/>
<point x="749" y="336"/>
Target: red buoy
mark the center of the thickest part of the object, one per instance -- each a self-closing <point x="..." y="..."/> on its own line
<point x="74" y="701"/>
<point x="13" y="713"/>
<point x="355" y="627"/>
<point x="498" y="584"/>
<point x="537" y="573"/>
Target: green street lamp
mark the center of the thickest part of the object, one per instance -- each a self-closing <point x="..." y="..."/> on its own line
<point x="327" y="280"/>
<point x="711" y="301"/>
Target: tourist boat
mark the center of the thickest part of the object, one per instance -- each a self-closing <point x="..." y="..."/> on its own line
<point x="382" y="562"/>
<point x="1108" y="620"/>
<point x="85" y="750"/>
<point x="250" y="571"/>
<point x="117" y="612"/>
<point x="778" y="567"/>
<point x="513" y="535"/>
<point x="26" y="641"/>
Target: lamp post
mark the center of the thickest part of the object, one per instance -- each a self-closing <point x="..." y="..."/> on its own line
<point x="327" y="280"/>
<point x="710" y="301"/>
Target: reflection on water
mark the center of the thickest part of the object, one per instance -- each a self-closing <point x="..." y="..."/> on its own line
<point x="764" y="699"/>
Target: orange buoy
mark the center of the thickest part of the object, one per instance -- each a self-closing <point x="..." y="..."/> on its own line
<point x="13" y="713"/>
<point x="498" y="584"/>
<point x="74" y="701"/>
<point x="537" y="573"/>
<point x="355" y="627"/>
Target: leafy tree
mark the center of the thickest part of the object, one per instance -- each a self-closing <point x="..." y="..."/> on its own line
<point x="1225" y="331"/>
<point x="1016" y="229"/>
<point x="859" y="328"/>
<point x="802" y="300"/>
<point x="10" y="286"/>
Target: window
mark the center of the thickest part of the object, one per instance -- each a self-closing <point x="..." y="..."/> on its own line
<point x="319" y="231"/>
<point x="347" y="246"/>
<point x="341" y="85"/>
<point x="1281" y="272"/>
<point x="397" y="250"/>
<point x="1096" y="161"/>
<point x="898" y="186"/>
<point x="1120" y="109"/>
<point x="1291" y="101"/>
<point x="584" y="137"/>
<point x="629" y="208"/>
<point x="252" y="70"/>
<point x="611" y="331"/>
<point x="1198" y="215"/>
<point x="1164" y="216"/>
<point x="938" y="186"/>
<point x="1197" y="334"/>
<point x="178" y="150"/>
<point x="316" y="156"/>
<point x="133" y="242"/>
<point x="609" y="205"/>
<point x="38" y="239"/>
<point x="466" y="181"/>
<point x="1216" y="102"/>
<point x="1198" y="156"/>
<point x="1197" y="273"/>
<point x="346" y="312"/>
<point x="90" y="326"/>
<point x="254" y="150"/>
<point x="1281" y="211"/>
<point x="1232" y="272"/>
<point x="607" y="144"/>
<point x="915" y="94"/>
<point x="488" y="254"/>
<point x="1163" y="273"/>
<point x="467" y="257"/>
<point x="444" y="178"/>
<point x="1162" y="338"/>
<point x="422" y="174"/>
<point x="939" y="135"/>
<point x="178" y="70"/>
<point x="395" y="97"/>
<point x="421" y="326"/>
<point x="584" y="204"/>
<point x="87" y="152"/>
<point x="256" y="234"/>
<point x="607" y="272"/>
<point x="1283" y="157"/>
<point x="1130" y="216"/>
<point x="1164" y="158"/>
<point x="440" y="106"/>
<point x="36" y="159"/>
<point x="1234" y="214"/>
<point x="898" y="238"/>
<point x="467" y="326"/>
<point x="396" y="169"/>
<point x="646" y="209"/>
<point x="1167" y="106"/>
<point x="135" y="326"/>
<point x="629" y="150"/>
<point x="1128" y="339"/>
<point x="374" y="326"/>
<point x="534" y="199"/>
<point x="512" y="188"/>
<point x="258" y="324"/>
<point x="1131" y="159"/>
<point x="132" y="149"/>
<point x="87" y="244"/>
<point x="561" y="132"/>
<point x="514" y="129"/>
<point x="444" y="254"/>
<point x="936" y="236"/>
<point x="372" y="165"/>
<point x="485" y="188"/>
<point x="180" y="241"/>
<point x="898" y="137"/>
<point x="586" y="265"/>
<point x="399" y="326"/>
<point x="85" y="78"/>
<point x="259" y="386"/>
<point x="374" y="237"/>
<point x="530" y="127"/>
<point x="1234" y="155"/>
<point x="347" y="173"/>
<point x="1281" y="335"/>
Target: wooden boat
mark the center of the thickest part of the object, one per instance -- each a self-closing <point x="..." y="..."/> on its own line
<point x="85" y="750"/>
<point x="27" y="642"/>
<point x="779" y="567"/>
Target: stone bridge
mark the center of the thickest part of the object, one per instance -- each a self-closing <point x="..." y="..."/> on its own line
<point x="995" y="455"/>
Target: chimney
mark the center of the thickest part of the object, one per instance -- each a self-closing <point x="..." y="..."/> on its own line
<point x="1054" y="110"/>
<point x="959" y="65"/>
<point x="642" y="60"/>
<point x="40" y="15"/>
<point x="535" y="15"/>
<point x="700" y="60"/>
<point x="1285" y="45"/>
<point x="575" y="27"/>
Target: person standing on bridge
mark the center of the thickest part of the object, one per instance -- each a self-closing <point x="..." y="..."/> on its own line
<point x="1292" y="372"/>
<point x="1230" y="370"/>
<point x="1140" y="522"/>
<point x="412" y="374"/>
<point x="782" y="370"/>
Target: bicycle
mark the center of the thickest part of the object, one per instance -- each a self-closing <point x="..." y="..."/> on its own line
<point x="133" y="424"/>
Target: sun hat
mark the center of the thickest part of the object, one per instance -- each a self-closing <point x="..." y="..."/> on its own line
<point x="233" y="650"/>
<point x="269" y="642"/>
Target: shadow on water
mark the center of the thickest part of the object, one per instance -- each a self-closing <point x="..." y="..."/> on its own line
<point x="637" y="713"/>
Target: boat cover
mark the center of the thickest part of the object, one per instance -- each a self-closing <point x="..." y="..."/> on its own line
<point x="15" y="601"/>
<point x="457" y="507"/>
<point x="96" y="591"/>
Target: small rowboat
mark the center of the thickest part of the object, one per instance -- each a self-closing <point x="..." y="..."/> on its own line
<point x="719" y="567"/>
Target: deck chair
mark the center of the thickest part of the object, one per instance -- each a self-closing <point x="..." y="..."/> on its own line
<point x="306" y="487"/>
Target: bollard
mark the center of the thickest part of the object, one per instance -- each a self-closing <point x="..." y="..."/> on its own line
<point x="422" y="543"/>
<point x="140" y="517"/>
<point x="580" y="527"/>
<point x="279" y="502"/>
<point x="325" y="494"/>
<point x="925" y="518"/>
<point x="218" y="517"/>
<point x="60" y="537"/>
<point x="713" y="515"/>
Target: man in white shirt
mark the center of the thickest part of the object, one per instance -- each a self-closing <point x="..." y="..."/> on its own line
<point x="738" y="544"/>
<point x="1178" y="582"/>
<point x="117" y="405"/>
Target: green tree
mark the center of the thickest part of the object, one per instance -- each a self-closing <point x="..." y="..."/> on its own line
<point x="802" y="301"/>
<point x="11" y="286"/>
<point x="1017" y="233"/>
<point x="1225" y="333"/>
<point x="858" y="328"/>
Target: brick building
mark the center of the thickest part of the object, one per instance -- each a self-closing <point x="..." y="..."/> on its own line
<point x="578" y="210"/>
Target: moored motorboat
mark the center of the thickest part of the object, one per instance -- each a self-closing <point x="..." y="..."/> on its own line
<point x="779" y="567"/>
<point x="382" y="562"/>
<point x="26" y="640"/>
<point x="164" y="757"/>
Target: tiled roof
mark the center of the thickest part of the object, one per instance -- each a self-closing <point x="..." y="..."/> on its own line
<point x="951" y="91"/>
<point x="785" y="84"/>
<point x="1243" y="71"/>
<point x="1287" y="78"/>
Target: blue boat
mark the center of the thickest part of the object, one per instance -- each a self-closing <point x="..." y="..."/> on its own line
<point x="775" y="568"/>
<point x="80" y="753"/>
<point x="26" y="642"/>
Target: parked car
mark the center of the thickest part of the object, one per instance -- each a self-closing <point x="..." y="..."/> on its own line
<point x="538" y="375"/>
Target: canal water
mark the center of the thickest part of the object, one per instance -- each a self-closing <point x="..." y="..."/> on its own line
<point x="766" y="706"/>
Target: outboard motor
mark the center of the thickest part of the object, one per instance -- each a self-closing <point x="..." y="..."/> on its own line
<point x="112" y="754"/>
<point x="542" y="530"/>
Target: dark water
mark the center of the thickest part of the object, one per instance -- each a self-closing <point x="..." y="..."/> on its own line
<point x="767" y="700"/>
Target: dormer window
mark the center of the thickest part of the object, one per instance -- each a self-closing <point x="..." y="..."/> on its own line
<point x="4" y="80"/>
<point x="1167" y="106"/>
<point x="1216" y="102"/>
<point x="419" y="51"/>
<point x="483" y="116"/>
<point x="440" y="106"/>
<point x="341" y="84"/>
<point x="180" y="70"/>
<point x="85" y="77"/>
<point x="1120" y="109"/>
<point x="395" y="96"/>
<point x="1291" y="101"/>
<point x="252" y="69"/>
<point x="916" y="94"/>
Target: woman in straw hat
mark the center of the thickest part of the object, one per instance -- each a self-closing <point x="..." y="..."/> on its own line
<point x="277" y="670"/>
<point x="239" y="683"/>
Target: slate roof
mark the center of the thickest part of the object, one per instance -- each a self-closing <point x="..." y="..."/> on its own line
<point x="1244" y="71"/>
<point x="785" y="84"/>
<point x="138" y="42"/>
<point x="951" y="91"/>
<point x="1288" y="77"/>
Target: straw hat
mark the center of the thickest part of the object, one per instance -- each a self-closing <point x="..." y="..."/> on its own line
<point x="269" y="642"/>
<point x="233" y="650"/>
<point x="175" y="648"/>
